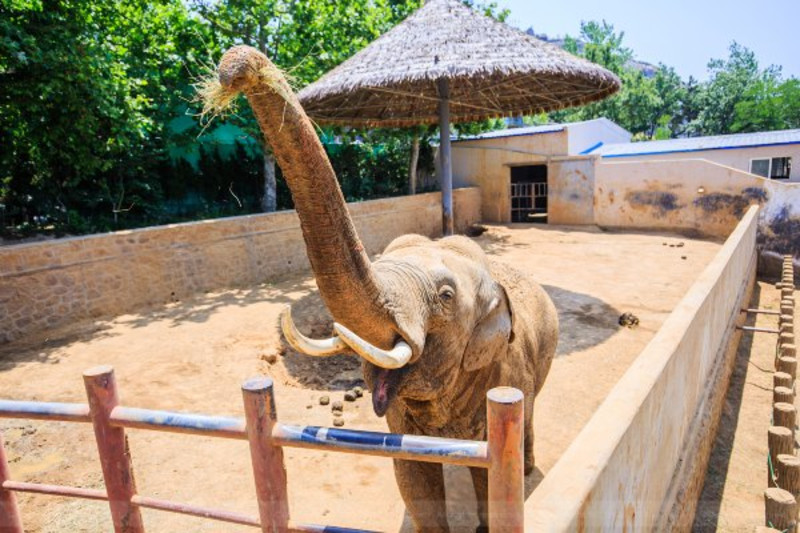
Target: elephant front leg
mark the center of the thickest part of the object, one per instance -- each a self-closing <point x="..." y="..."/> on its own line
<point x="530" y="461"/>
<point x="422" y="488"/>
<point x="480" y="480"/>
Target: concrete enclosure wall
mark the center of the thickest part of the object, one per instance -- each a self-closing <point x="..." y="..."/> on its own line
<point x="570" y="192"/>
<point x="638" y="464"/>
<point x="52" y="283"/>
<point x="695" y="194"/>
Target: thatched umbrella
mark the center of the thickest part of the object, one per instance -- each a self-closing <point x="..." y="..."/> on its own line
<point x="447" y="63"/>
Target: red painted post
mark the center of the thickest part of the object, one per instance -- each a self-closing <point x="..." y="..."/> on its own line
<point x="10" y="520"/>
<point x="506" y="423"/>
<point x="267" y="458"/>
<point x="112" y="446"/>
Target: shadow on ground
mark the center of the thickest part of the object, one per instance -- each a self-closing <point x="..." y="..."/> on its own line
<point x="708" y="507"/>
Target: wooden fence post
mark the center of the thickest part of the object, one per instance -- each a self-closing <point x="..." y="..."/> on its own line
<point x="782" y="379"/>
<point x="506" y="424"/>
<point x="787" y="365"/>
<point x="780" y="509"/>
<point x="112" y="446"/>
<point x="779" y="441"/>
<point x="782" y="394"/>
<point x="10" y="520"/>
<point x="267" y="459"/>
<point x="784" y="414"/>
<point x="788" y="473"/>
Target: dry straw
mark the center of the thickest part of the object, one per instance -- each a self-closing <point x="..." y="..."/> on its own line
<point x="495" y="70"/>
<point x="218" y="100"/>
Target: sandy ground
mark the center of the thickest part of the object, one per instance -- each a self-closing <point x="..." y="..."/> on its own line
<point x="193" y="355"/>
<point x="733" y="495"/>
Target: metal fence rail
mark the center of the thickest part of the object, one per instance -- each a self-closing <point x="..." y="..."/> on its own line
<point x="501" y="454"/>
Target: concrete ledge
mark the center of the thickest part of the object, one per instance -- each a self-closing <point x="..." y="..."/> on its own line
<point x="639" y="462"/>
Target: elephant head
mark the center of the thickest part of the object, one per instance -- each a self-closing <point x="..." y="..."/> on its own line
<point x="417" y="316"/>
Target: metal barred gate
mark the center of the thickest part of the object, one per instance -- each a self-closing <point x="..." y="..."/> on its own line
<point x="501" y="454"/>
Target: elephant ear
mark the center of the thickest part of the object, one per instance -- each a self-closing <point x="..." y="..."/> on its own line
<point x="494" y="331"/>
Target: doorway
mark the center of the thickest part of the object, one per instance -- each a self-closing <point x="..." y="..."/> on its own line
<point x="529" y="194"/>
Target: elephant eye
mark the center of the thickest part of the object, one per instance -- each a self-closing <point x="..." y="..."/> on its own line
<point x="446" y="293"/>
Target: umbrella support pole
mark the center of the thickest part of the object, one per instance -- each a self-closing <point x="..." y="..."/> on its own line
<point x="444" y="156"/>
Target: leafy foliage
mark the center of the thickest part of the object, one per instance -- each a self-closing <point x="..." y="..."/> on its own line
<point x="739" y="96"/>
<point x="98" y="130"/>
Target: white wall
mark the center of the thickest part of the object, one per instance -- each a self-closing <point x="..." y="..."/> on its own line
<point x="738" y="158"/>
<point x="638" y="464"/>
<point x="585" y="135"/>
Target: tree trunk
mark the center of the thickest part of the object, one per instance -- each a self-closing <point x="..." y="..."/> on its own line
<point x="412" y="165"/>
<point x="269" y="201"/>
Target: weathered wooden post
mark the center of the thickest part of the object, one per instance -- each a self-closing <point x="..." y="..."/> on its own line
<point x="268" y="468"/>
<point x="10" y="520"/>
<point x="506" y="423"/>
<point x="780" y="509"/>
<point x="782" y="394"/>
<point x="786" y="338"/>
<point x="782" y="379"/>
<point x="787" y="467"/>
<point x="784" y="414"/>
<point x="787" y="365"/>
<point x="779" y="442"/>
<point x="112" y="446"/>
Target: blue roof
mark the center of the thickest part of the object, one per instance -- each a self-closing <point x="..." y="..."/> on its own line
<point x="698" y="144"/>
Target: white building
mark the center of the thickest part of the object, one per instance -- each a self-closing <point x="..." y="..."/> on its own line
<point x="769" y="154"/>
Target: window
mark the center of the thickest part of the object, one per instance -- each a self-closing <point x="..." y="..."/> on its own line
<point x="777" y="168"/>
<point x="781" y="168"/>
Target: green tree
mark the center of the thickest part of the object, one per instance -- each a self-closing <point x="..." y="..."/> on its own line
<point x="731" y="80"/>
<point x="304" y="38"/>
<point x="84" y="88"/>
<point x="770" y="104"/>
<point x="641" y="101"/>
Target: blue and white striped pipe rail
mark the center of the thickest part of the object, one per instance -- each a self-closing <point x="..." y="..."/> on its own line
<point x="67" y="412"/>
<point x="211" y="426"/>
<point x="413" y="447"/>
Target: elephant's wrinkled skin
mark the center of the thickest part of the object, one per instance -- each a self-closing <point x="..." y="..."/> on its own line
<point x="471" y="324"/>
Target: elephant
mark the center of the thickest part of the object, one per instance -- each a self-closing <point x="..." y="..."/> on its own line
<point x="436" y="322"/>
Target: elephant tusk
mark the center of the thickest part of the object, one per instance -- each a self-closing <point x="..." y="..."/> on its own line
<point x="394" y="358"/>
<point x="313" y="347"/>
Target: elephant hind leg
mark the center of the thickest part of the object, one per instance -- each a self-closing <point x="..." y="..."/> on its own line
<point x="480" y="480"/>
<point x="528" y="446"/>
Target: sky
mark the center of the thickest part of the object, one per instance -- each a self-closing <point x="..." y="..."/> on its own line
<point x="683" y="34"/>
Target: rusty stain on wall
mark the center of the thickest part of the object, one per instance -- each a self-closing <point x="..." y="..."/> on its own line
<point x="781" y="233"/>
<point x="660" y="200"/>
<point x="737" y="204"/>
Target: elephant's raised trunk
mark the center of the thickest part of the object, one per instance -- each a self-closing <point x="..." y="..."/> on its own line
<point x="341" y="266"/>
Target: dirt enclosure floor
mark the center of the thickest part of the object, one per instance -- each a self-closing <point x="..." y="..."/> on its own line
<point x="193" y="355"/>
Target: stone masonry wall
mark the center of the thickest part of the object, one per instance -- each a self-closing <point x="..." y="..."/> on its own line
<point x="49" y="284"/>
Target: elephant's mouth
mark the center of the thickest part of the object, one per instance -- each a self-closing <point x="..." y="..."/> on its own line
<point x="384" y="388"/>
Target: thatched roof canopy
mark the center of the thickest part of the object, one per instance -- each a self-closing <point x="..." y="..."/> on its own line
<point x="494" y="70"/>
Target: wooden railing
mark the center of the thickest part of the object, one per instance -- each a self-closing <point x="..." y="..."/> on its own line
<point x="783" y="465"/>
<point x="501" y="454"/>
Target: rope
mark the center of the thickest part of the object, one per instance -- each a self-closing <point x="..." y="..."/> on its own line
<point x="791" y="526"/>
<point x="772" y="470"/>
